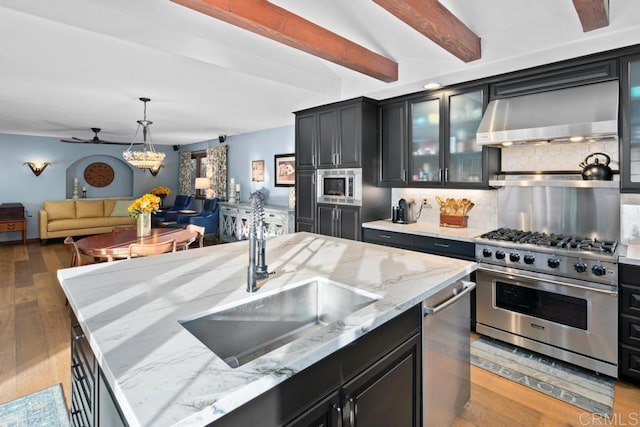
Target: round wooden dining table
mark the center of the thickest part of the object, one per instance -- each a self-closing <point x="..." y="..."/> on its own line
<point x="115" y="245"/>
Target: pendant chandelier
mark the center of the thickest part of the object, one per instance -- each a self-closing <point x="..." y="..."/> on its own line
<point x="147" y="157"/>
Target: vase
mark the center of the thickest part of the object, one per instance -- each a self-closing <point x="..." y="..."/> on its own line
<point x="143" y="224"/>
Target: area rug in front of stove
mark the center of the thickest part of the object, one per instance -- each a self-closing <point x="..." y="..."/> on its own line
<point x="569" y="383"/>
<point x="42" y="408"/>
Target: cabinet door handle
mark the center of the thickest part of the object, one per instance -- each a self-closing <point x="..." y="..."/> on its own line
<point x="446" y="174"/>
<point x="404" y="174"/>
<point x="77" y="336"/>
<point x="440" y="174"/>
<point x="338" y="414"/>
<point x="313" y="159"/>
<point x="352" y="411"/>
<point x="313" y="179"/>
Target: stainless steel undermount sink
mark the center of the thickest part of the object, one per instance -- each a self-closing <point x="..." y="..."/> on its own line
<point x="248" y="330"/>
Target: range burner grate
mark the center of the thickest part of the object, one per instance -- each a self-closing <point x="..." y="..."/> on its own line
<point x="560" y="241"/>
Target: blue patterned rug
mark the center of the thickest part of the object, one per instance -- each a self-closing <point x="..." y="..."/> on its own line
<point x="577" y="386"/>
<point x="42" y="408"/>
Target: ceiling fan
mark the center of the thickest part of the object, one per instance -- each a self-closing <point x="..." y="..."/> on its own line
<point x="94" y="140"/>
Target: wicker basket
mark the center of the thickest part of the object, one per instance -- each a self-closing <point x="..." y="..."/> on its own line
<point x="455" y="221"/>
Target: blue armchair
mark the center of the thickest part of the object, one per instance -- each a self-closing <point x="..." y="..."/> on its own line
<point x="207" y="218"/>
<point x="170" y="213"/>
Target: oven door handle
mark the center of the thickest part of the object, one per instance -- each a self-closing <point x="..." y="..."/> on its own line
<point x="555" y="282"/>
<point x="466" y="288"/>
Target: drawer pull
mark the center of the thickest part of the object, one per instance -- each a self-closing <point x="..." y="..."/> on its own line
<point x="385" y="236"/>
<point x="442" y="245"/>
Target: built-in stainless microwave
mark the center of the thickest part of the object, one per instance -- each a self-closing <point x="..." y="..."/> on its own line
<point x="341" y="186"/>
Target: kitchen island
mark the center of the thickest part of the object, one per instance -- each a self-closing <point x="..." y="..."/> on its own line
<point x="160" y="374"/>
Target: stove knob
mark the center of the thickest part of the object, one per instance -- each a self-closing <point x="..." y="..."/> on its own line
<point x="514" y="257"/>
<point x="580" y="267"/>
<point x="529" y="259"/>
<point x="486" y="253"/>
<point x="499" y="254"/>
<point x="599" y="270"/>
<point x="553" y="262"/>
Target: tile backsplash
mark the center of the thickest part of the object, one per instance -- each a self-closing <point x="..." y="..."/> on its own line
<point x="556" y="157"/>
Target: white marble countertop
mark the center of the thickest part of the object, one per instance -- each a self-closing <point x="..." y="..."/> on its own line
<point x="162" y="375"/>
<point x="629" y="254"/>
<point x="425" y="229"/>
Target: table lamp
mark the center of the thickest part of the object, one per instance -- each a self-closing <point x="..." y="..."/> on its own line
<point x="203" y="184"/>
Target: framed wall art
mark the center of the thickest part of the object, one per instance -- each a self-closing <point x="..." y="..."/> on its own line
<point x="285" y="170"/>
<point x="257" y="170"/>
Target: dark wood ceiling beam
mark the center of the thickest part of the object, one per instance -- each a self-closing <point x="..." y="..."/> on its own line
<point x="271" y="21"/>
<point x="435" y="21"/>
<point x="593" y="14"/>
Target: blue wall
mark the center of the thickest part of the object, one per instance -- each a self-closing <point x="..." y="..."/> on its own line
<point x="260" y="145"/>
<point x="19" y="184"/>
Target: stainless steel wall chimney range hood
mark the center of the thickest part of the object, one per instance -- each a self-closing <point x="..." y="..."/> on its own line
<point x="575" y="114"/>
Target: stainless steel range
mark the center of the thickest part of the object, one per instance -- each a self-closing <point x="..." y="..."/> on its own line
<point x="551" y="293"/>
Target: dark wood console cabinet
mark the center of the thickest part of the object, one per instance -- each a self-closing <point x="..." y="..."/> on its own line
<point x="12" y="218"/>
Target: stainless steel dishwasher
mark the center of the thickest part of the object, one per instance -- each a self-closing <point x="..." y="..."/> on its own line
<point x="446" y="348"/>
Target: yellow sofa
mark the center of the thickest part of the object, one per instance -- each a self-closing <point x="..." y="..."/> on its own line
<point x="82" y="217"/>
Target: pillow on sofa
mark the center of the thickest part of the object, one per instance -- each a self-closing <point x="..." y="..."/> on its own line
<point x="89" y="209"/>
<point x="60" y="209"/>
<point x="120" y="208"/>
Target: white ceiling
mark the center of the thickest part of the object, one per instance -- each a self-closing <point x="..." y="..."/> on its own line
<point x="69" y="65"/>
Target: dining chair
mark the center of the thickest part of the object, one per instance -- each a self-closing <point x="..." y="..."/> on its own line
<point x="200" y="236"/>
<point x="77" y="258"/>
<point x="146" y="249"/>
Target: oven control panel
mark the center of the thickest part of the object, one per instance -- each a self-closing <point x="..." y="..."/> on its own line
<point x="586" y="266"/>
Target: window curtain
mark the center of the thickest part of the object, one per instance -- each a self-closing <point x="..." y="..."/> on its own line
<point x="185" y="183"/>
<point x="217" y="171"/>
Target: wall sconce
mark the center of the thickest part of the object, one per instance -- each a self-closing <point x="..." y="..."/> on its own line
<point x="155" y="169"/>
<point x="37" y="167"/>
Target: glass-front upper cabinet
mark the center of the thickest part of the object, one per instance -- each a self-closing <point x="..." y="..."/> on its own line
<point x="424" y="136"/>
<point x="630" y="129"/>
<point x="464" y="161"/>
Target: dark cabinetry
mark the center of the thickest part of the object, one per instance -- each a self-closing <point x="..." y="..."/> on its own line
<point x="629" y="323"/>
<point x="556" y="76"/>
<point x="393" y="144"/>
<point x="428" y="140"/>
<point x="334" y="135"/>
<point x="92" y="402"/>
<point x="427" y="244"/>
<point x="339" y="221"/>
<point x="305" y="200"/>
<point x="339" y="138"/>
<point x="339" y="135"/>
<point x="373" y="381"/>
<point x="630" y="128"/>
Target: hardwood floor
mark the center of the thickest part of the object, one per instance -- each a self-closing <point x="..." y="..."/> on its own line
<point x="34" y="351"/>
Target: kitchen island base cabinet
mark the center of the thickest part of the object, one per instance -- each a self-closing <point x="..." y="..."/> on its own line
<point x="373" y="381"/>
<point x="92" y="402"/>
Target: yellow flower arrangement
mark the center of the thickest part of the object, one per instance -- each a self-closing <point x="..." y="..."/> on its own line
<point x="160" y="191"/>
<point x="146" y="204"/>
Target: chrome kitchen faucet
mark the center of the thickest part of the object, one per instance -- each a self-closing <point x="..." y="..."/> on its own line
<point x="257" y="269"/>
